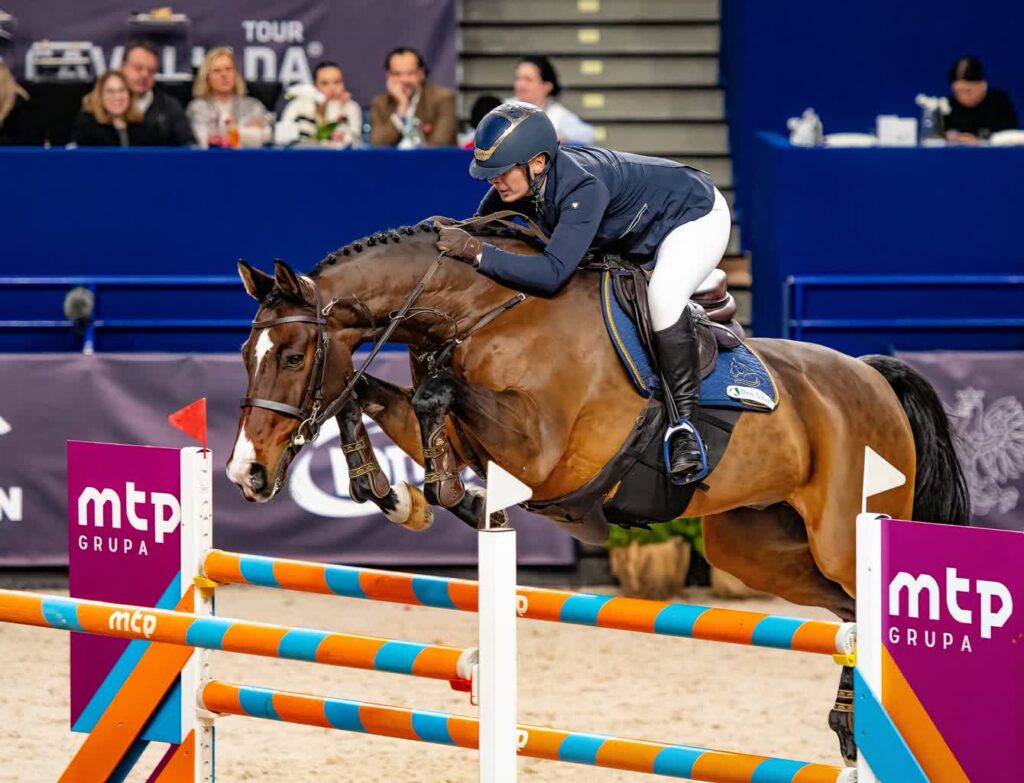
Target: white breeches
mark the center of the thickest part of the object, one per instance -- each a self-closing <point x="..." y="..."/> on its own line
<point x="684" y="260"/>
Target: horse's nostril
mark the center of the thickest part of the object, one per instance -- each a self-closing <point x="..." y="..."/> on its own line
<point x="257" y="477"/>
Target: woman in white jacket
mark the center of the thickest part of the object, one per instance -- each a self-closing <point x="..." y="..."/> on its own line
<point x="537" y="83"/>
<point x="322" y="113"/>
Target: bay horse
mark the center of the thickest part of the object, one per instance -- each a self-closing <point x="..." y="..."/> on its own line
<point x="535" y="385"/>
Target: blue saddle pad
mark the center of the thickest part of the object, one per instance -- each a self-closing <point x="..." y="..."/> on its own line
<point x="739" y="379"/>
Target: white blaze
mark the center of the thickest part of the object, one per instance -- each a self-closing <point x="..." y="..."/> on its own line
<point x="242" y="456"/>
<point x="263" y="347"/>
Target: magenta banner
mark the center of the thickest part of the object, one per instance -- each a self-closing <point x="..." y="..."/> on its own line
<point x="274" y="40"/>
<point x="124" y="522"/>
<point x="953" y="625"/>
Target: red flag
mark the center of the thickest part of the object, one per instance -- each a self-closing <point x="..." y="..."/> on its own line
<point x="191" y="420"/>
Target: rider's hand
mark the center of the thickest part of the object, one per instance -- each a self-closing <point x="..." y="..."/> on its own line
<point x="461" y="245"/>
<point x="400" y="93"/>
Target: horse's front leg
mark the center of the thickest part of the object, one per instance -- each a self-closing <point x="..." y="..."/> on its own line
<point x="431" y="402"/>
<point x="392" y="407"/>
<point x="404" y="504"/>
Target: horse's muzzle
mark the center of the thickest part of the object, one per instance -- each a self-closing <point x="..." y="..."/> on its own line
<point x="257" y="478"/>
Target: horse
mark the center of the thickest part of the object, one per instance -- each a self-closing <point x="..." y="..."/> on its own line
<point x="535" y="385"/>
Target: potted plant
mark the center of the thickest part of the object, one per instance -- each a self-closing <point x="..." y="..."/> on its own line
<point x="653" y="562"/>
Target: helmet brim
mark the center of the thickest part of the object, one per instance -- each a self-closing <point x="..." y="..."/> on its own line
<point x="476" y="171"/>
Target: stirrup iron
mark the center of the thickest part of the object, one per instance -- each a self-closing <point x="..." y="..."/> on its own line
<point x="701" y="470"/>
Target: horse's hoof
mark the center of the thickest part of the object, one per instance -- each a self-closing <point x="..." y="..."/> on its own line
<point x="421" y="515"/>
<point x="840" y="718"/>
<point x="499" y="518"/>
<point x="842" y="724"/>
<point x="411" y="509"/>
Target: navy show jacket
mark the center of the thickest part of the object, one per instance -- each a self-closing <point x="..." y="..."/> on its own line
<point x="593" y="197"/>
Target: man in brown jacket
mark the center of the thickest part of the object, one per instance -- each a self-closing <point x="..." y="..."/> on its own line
<point x="413" y="112"/>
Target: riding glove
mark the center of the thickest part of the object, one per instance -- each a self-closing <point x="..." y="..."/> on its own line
<point x="461" y="245"/>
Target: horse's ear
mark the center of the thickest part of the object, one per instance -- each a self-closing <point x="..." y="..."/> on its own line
<point x="287" y="280"/>
<point x="257" y="284"/>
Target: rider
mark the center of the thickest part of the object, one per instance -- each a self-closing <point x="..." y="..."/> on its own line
<point x="584" y="197"/>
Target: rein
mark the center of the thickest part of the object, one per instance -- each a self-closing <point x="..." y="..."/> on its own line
<point x="309" y="413"/>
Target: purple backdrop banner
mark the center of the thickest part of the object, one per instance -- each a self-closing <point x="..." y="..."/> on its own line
<point x="274" y="40"/>
<point x="983" y="393"/>
<point x="47" y="400"/>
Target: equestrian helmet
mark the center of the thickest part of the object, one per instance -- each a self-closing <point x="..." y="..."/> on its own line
<point x="511" y="135"/>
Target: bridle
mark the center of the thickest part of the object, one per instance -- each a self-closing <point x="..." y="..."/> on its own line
<point x="311" y="413"/>
<point x="308" y="413"/>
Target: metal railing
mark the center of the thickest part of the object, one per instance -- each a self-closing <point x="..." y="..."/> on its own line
<point x="797" y="287"/>
<point x="87" y="328"/>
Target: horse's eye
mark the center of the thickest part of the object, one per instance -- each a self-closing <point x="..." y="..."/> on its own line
<point x="294" y="360"/>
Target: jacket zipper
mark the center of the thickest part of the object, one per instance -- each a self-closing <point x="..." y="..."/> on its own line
<point x="636" y="220"/>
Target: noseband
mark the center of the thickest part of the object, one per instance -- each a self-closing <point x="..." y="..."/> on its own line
<point x="308" y="412"/>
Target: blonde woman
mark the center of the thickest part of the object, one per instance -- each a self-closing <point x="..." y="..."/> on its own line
<point x="18" y="124"/>
<point x="221" y="113"/>
<point x="109" y="116"/>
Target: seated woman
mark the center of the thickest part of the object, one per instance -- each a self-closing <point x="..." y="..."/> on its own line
<point x="322" y="113"/>
<point x="19" y="124"/>
<point x="221" y="112"/>
<point x="537" y="83"/>
<point x="977" y="111"/>
<point x="482" y="106"/>
<point x="109" y="117"/>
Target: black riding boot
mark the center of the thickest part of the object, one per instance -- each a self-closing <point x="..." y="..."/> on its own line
<point x="679" y="359"/>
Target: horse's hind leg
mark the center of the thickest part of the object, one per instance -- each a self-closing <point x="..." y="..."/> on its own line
<point x="768" y="551"/>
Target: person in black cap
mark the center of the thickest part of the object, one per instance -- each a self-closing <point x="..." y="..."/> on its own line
<point x="648" y="209"/>
<point x="977" y="110"/>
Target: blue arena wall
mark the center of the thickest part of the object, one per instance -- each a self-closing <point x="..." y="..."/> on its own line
<point x="852" y="62"/>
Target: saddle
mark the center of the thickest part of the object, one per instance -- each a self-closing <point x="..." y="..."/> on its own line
<point x="712" y="307"/>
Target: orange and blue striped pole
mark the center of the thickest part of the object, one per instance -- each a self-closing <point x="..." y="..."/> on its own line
<point x="220" y="633"/>
<point x="679" y="761"/>
<point x="603" y="611"/>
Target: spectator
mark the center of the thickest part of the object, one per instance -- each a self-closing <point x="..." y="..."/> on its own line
<point x="322" y="113"/>
<point x="161" y="113"/>
<point x="481" y="106"/>
<point x="413" y="111"/>
<point x="977" y="111"/>
<point x="537" y="83"/>
<point x="221" y="113"/>
<point x="18" y="122"/>
<point x="109" y="117"/>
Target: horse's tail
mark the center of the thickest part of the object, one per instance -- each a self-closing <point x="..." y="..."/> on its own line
<point x="940" y="488"/>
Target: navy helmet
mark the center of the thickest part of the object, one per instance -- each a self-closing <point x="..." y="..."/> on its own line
<point x="511" y="135"/>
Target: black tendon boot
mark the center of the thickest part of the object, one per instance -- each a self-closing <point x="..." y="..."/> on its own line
<point x="679" y="360"/>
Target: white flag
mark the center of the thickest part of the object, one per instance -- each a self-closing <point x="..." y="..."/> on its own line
<point x="503" y="489"/>
<point x="4" y="426"/>
<point x="879" y="476"/>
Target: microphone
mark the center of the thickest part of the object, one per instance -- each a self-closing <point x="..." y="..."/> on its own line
<point x="78" y="307"/>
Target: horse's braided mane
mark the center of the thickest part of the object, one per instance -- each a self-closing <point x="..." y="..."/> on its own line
<point x="504" y="231"/>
